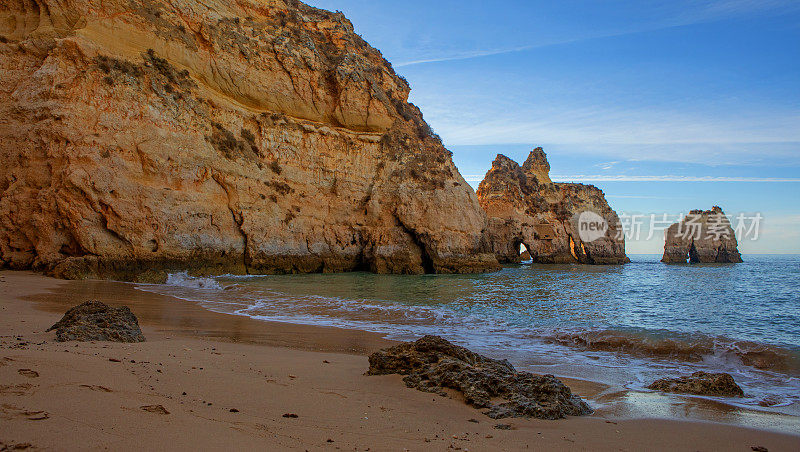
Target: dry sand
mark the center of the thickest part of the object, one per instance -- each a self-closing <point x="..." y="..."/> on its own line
<point x="211" y="381"/>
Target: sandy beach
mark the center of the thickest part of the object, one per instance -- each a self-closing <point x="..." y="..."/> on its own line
<point x="207" y="381"/>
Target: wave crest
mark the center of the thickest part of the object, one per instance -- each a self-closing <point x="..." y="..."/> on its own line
<point x="183" y="279"/>
<point x="696" y="348"/>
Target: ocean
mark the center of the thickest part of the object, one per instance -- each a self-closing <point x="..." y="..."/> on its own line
<point x="621" y="325"/>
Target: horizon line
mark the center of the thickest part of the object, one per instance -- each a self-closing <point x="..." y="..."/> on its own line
<point x="665" y="178"/>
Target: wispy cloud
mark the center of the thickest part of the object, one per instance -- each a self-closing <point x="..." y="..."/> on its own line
<point x="666" y="178"/>
<point x="486" y="53"/>
<point x="662" y="134"/>
<point x="473" y="54"/>
<point x="700" y="12"/>
<point x="614" y="125"/>
<point x="715" y="9"/>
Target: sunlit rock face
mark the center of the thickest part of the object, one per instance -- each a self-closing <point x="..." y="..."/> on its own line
<point x="552" y="220"/>
<point x="702" y="236"/>
<point x="263" y="136"/>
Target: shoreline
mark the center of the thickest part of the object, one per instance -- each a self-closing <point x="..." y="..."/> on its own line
<point x="264" y="370"/>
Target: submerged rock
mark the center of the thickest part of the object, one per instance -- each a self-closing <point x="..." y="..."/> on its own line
<point x="700" y="383"/>
<point x="702" y="237"/>
<point x="551" y="220"/>
<point x="141" y="138"/>
<point x="96" y="321"/>
<point x="432" y="364"/>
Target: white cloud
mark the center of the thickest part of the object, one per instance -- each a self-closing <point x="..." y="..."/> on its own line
<point x="641" y="126"/>
<point x="638" y="134"/>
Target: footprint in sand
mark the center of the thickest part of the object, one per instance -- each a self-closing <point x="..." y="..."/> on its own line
<point x="28" y="373"/>
<point x="14" y="446"/>
<point x="11" y="411"/>
<point x="96" y="388"/>
<point x="154" y="409"/>
<point x="5" y="361"/>
<point x="18" y="390"/>
<point x="333" y="393"/>
<point x="36" y="415"/>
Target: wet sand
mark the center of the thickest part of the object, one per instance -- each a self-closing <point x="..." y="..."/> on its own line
<point x="226" y="381"/>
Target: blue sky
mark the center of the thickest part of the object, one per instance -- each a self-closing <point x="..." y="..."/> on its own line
<point x="665" y="105"/>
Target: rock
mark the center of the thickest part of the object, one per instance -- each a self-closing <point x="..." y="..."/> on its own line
<point x="770" y="400"/>
<point x="141" y="138"/>
<point x="702" y="237"/>
<point x="96" y="321"/>
<point x="700" y="383"/>
<point x="432" y="364"/>
<point x="290" y="415"/>
<point x="526" y="208"/>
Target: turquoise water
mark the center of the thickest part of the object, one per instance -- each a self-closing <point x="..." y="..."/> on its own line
<point x="622" y="325"/>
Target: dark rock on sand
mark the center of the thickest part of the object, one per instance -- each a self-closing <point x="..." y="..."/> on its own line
<point x="700" y="383"/>
<point x="96" y="321"/>
<point x="432" y="364"/>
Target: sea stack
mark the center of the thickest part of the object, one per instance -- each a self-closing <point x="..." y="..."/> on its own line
<point x="526" y="208"/>
<point x="703" y="236"/>
<point x="142" y="137"/>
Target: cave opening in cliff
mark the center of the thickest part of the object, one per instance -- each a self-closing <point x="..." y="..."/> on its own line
<point x="523" y="252"/>
<point x="694" y="258"/>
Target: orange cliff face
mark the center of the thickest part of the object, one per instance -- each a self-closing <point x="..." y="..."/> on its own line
<point x="141" y="137"/>
<point x="525" y="207"/>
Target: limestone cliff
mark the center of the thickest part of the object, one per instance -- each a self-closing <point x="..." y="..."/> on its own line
<point x="261" y="136"/>
<point x="525" y="207"/>
<point x="702" y="237"/>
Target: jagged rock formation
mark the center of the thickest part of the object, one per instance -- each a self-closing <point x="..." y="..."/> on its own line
<point x="525" y="207"/>
<point x="96" y="321"/>
<point x="431" y="364"/>
<point x="700" y="383"/>
<point x="702" y="237"/>
<point x="144" y="136"/>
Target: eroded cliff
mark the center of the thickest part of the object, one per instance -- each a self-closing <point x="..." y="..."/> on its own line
<point x="702" y="236"/>
<point x="525" y="207"/>
<point x="145" y="136"/>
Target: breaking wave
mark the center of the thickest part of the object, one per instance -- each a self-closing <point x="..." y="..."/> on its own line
<point x="684" y="347"/>
<point x="184" y="280"/>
